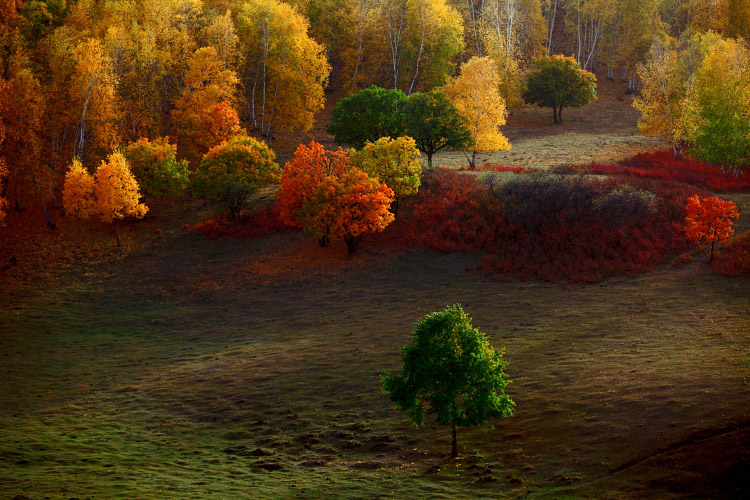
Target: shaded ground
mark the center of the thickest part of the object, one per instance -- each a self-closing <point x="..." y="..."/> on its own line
<point x="214" y="369"/>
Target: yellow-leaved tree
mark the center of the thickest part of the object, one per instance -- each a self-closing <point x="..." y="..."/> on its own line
<point x="78" y="195"/>
<point x="662" y="92"/>
<point x="93" y="92"/>
<point x="476" y="96"/>
<point x="285" y="70"/>
<point x="117" y="191"/>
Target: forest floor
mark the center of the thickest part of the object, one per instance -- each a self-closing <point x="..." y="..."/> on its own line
<point x="183" y="367"/>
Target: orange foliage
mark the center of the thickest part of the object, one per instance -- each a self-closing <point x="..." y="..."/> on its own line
<point x="350" y="206"/>
<point x="301" y="176"/>
<point x="709" y="219"/>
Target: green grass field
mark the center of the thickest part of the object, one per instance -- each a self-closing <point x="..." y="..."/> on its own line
<point x="216" y="369"/>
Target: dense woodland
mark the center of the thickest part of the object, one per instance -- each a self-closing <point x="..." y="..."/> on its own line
<point x="151" y="89"/>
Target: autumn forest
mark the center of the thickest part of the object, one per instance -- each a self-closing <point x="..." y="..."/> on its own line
<point x="374" y="249"/>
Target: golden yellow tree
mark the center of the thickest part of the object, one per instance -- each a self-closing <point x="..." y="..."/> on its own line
<point x="93" y="92"/>
<point x="285" y="70"/>
<point x="476" y="96"/>
<point x="662" y="92"/>
<point x="78" y="195"/>
<point x="117" y="192"/>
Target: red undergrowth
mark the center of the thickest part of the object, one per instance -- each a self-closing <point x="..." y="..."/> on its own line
<point x="733" y="258"/>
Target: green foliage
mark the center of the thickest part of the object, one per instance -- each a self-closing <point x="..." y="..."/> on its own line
<point x="233" y="170"/>
<point x="559" y="82"/>
<point x="156" y="167"/>
<point x="368" y="115"/>
<point x="434" y="123"/>
<point x="450" y="368"/>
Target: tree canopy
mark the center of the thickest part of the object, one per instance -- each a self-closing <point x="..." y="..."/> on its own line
<point x="559" y="82"/>
<point x="435" y="123"/>
<point x="368" y="115"/>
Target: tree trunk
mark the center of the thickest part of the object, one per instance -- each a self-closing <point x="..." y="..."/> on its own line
<point x="78" y="243"/>
<point x="118" y="233"/>
<point x="712" y="251"/>
<point x="429" y="158"/>
<point x="454" y="445"/>
<point x="351" y="242"/>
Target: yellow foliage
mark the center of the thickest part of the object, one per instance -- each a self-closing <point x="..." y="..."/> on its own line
<point x="117" y="191"/>
<point x="78" y="192"/>
<point x="476" y="96"/>
<point x="286" y="70"/>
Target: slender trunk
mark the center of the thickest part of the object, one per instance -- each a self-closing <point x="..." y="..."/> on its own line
<point x="429" y="158"/>
<point x="454" y="444"/>
<point x="712" y="250"/>
<point x="118" y="233"/>
<point x="50" y="224"/>
<point x="419" y="55"/>
<point x="78" y="242"/>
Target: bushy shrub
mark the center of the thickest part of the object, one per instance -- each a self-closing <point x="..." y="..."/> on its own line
<point x="663" y="165"/>
<point x="256" y="223"/>
<point x="156" y="168"/>
<point x="733" y="259"/>
<point x="549" y="226"/>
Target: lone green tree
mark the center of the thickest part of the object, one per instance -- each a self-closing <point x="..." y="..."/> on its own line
<point x="435" y="123"/>
<point x="559" y="82"/>
<point x="368" y="115"/>
<point x="451" y="369"/>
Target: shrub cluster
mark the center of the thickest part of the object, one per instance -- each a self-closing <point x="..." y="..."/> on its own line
<point x="551" y="226"/>
<point x="257" y="223"/>
<point x="733" y="259"/>
<point x="663" y="165"/>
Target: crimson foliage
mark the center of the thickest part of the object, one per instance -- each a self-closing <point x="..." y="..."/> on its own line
<point x="553" y="227"/>
<point x="663" y="165"/>
<point x="257" y="223"/>
<point x="733" y="259"/>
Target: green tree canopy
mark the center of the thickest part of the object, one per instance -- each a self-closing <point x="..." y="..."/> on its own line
<point x="451" y="368"/>
<point x="559" y="82"/>
<point x="435" y="123"/>
<point x="233" y="170"/>
<point x="156" y="167"/>
<point x="368" y="115"/>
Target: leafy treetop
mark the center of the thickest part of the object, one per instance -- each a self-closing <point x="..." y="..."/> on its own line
<point x="394" y="162"/>
<point x="368" y="115"/>
<point x="709" y="219"/>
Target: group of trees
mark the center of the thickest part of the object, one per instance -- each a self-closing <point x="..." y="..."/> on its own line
<point x="695" y="95"/>
<point x="112" y="192"/>
<point x="348" y="193"/>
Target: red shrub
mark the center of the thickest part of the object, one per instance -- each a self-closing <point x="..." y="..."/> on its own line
<point x="733" y="259"/>
<point x="257" y="223"/>
<point x="663" y="165"/>
<point x="552" y="226"/>
<point x="491" y="167"/>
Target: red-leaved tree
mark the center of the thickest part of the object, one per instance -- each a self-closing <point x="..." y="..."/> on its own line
<point x="709" y="219"/>
<point x="300" y="177"/>
<point x="323" y="194"/>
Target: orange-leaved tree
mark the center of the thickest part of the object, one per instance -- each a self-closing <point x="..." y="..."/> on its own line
<point x="301" y="177"/>
<point x="709" y="219"/>
<point x="396" y="162"/>
<point x="231" y="171"/>
<point x="349" y="205"/>
<point x="78" y="195"/>
<point x="117" y="191"/>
